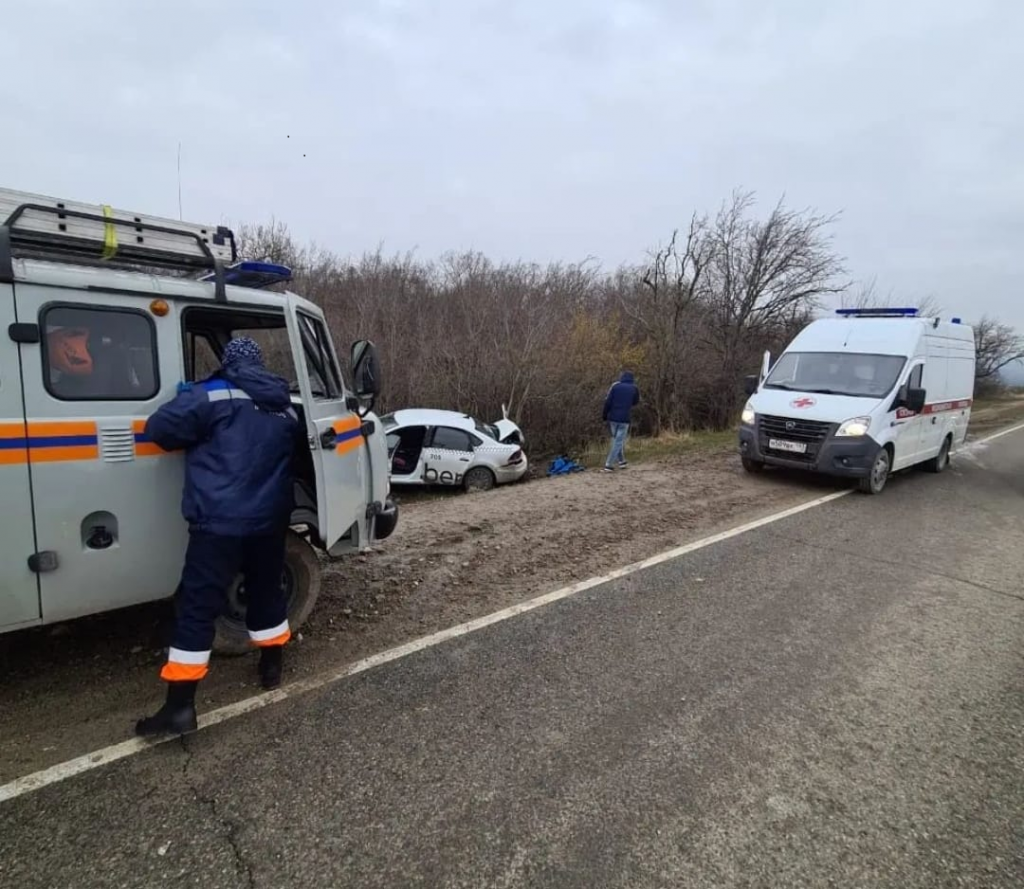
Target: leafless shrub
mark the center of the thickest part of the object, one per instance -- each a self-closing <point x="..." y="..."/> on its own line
<point x="467" y="334"/>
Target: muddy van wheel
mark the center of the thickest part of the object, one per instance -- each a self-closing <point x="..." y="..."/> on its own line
<point x="941" y="460"/>
<point x="876" y="479"/>
<point x="300" y="583"/>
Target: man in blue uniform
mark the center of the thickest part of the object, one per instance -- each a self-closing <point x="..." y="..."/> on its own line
<point x="622" y="397"/>
<point x="239" y="432"/>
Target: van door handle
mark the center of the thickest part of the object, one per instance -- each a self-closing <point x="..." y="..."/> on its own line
<point x="329" y="439"/>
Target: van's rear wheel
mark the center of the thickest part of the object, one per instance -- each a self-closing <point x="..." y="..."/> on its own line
<point x="300" y="582"/>
<point x="879" y="474"/>
<point x="939" y="462"/>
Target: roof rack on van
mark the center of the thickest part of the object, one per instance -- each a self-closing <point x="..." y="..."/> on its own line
<point x="878" y="313"/>
<point x="49" y="228"/>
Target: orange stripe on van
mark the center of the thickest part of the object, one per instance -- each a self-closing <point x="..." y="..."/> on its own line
<point x="12" y="430"/>
<point x="58" y="454"/>
<point x="48" y="429"/>
<point x="348" y="424"/>
<point x="143" y="446"/>
<point x="13" y="457"/>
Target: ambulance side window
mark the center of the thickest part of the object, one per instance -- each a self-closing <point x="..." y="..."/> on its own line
<point x="99" y="354"/>
<point x="916" y="375"/>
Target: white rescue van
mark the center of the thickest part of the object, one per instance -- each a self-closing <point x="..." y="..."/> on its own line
<point x="863" y="395"/>
<point x="104" y="313"/>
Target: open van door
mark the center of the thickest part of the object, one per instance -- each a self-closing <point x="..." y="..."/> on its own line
<point x="766" y="366"/>
<point x="335" y="430"/>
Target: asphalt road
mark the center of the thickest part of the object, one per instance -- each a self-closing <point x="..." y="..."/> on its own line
<point x="836" y="699"/>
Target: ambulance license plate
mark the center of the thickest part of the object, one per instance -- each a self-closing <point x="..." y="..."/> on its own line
<point x="793" y="447"/>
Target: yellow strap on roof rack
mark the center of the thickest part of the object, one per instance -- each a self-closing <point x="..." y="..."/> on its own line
<point x="109" y="234"/>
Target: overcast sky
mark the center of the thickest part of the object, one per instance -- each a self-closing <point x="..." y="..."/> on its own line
<point x="535" y="130"/>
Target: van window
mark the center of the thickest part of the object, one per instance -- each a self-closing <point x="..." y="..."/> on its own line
<point x="208" y="329"/>
<point x="321" y="367"/>
<point x="99" y="354"/>
<point x="914" y="380"/>
<point x="836" y="373"/>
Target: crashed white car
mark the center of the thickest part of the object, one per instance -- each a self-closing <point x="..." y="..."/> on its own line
<point x="431" y="447"/>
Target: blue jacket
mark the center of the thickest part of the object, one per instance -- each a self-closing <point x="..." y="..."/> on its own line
<point x="622" y="398"/>
<point x="239" y="431"/>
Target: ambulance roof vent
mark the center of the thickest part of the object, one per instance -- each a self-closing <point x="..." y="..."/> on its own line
<point x="878" y="313"/>
<point x="50" y="228"/>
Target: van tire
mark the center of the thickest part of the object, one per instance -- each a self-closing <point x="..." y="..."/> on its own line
<point x="878" y="475"/>
<point x="754" y="467"/>
<point x="479" y="479"/>
<point x="941" y="460"/>
<point x="302" y="580"/>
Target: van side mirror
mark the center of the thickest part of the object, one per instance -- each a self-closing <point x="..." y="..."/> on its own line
<point x="750" y="384"/>
<point x="915" y="400"/>
<point x="366" y="376"/>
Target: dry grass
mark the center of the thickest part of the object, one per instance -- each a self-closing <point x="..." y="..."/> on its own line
<point x="668" y="444"/>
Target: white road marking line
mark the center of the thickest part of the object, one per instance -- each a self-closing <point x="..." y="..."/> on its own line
<point x="999" y="434"/>
<point x="72" y="767"/>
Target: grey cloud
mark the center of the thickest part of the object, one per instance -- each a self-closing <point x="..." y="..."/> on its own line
<point x="542" y="130"/>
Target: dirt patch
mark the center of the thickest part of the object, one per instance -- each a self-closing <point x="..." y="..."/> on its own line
<point x="80" y="686"/>
<point x="460" y="556"/>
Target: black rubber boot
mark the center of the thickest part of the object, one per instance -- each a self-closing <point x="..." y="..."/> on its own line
<point x="176" y="717"/>
<point x="270" y="666"/>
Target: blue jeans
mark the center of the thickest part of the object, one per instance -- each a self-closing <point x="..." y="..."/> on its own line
<point x="617" y="454"/>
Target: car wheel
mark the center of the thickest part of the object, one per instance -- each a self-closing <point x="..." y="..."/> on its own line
<point x="478" y="479"/>
<point x="879" y="474"/>
<point x="752" y="466"/>
<point x="939" y="462"/>
<point x="300" y="582"/>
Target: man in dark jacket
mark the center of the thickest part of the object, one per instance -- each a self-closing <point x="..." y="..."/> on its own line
<point x="618" y="408"/>
<point x="239" y="432"/>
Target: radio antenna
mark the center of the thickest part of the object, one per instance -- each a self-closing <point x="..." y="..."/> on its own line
<point x="180" y="216"/>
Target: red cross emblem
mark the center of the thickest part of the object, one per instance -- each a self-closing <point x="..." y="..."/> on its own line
<point x="803" y="402"/>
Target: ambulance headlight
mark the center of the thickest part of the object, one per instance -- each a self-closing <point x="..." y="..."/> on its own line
<point x="748" y="415"/>
<point x="855" y="428"/>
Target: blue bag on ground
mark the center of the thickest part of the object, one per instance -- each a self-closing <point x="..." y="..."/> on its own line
<point x="564" y="466"/>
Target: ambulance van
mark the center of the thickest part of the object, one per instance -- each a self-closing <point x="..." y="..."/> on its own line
<point x="103" y="315"/>
<point x="862" y="395"/>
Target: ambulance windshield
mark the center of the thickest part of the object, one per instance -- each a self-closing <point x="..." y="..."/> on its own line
<point x="836" y="373"/>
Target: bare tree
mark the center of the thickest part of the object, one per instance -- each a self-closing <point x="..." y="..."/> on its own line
<point x="469" y="334"/>
<point x="765" y="277"/>
<point x="669" y="286"/>
<point x="996" y="346"/>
